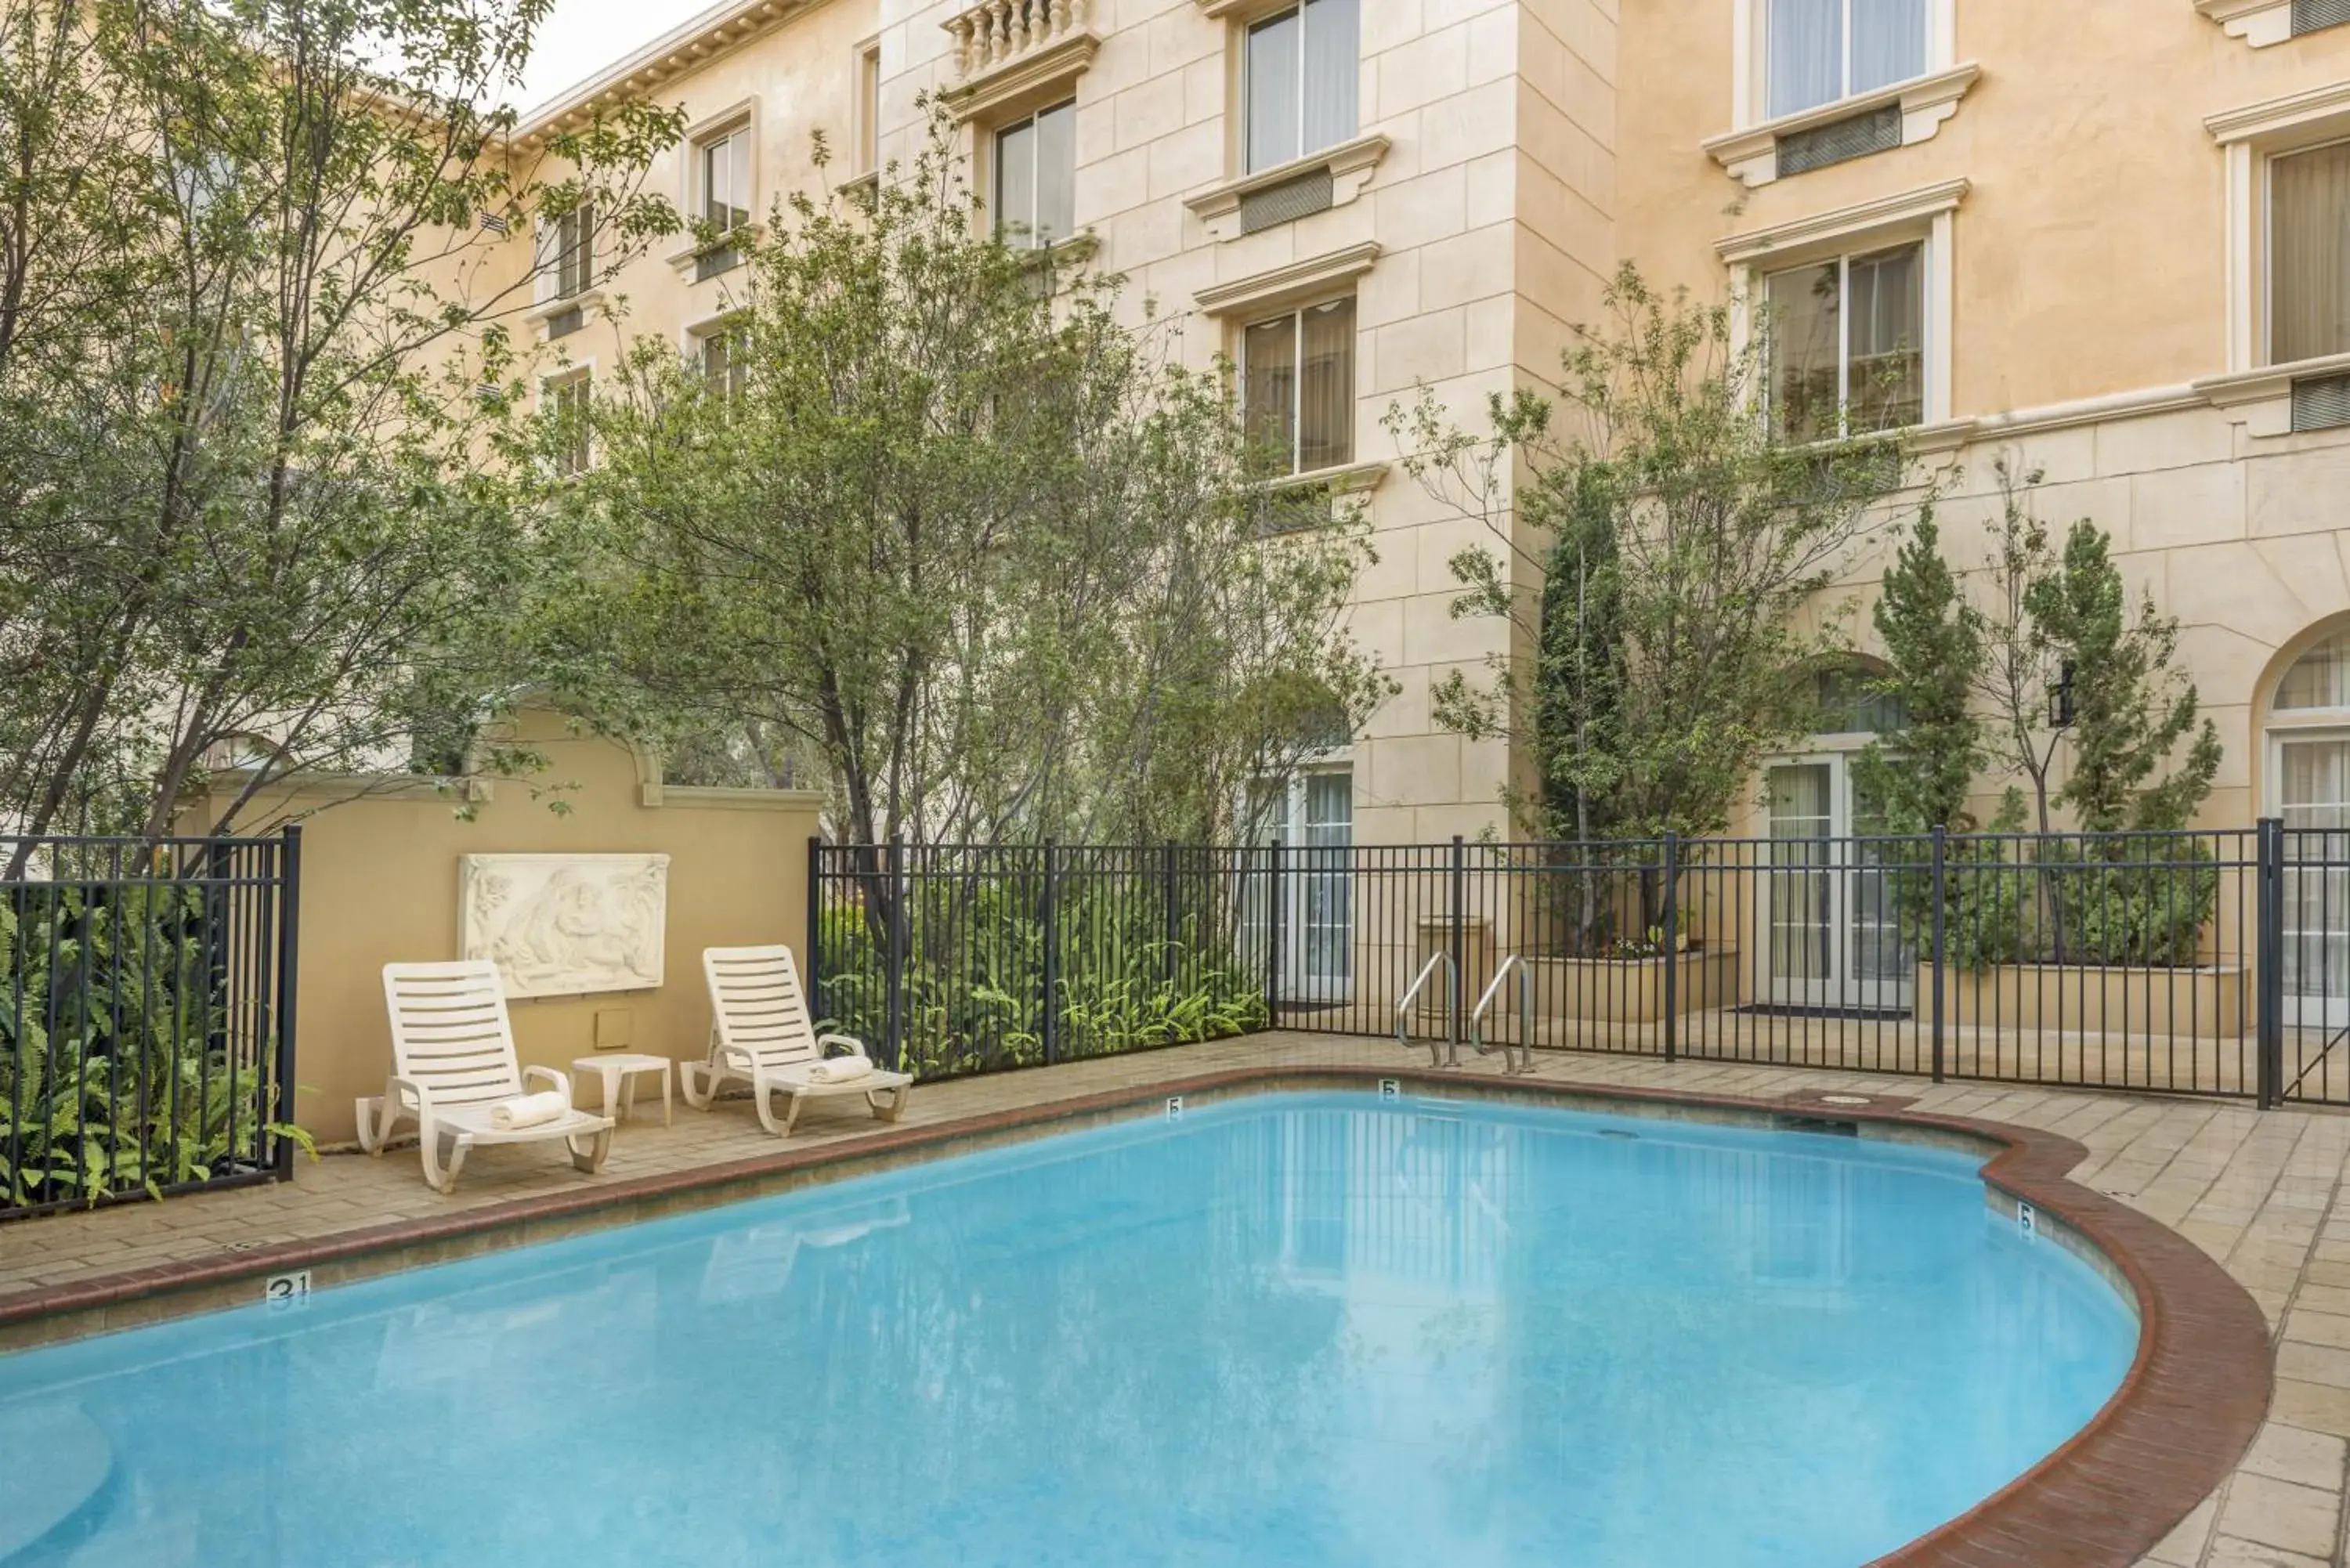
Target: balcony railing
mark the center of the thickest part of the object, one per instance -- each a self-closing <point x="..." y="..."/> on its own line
<point x="998" y="33"/>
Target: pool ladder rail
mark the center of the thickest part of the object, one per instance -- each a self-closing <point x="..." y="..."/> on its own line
<point x="1525" y="1060"/>
<point x="1445" y="1050"/>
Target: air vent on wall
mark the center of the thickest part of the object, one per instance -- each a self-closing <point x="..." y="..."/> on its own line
<point x="492" y="224"/>
<point x="1285" y="202"/>
<point x="1879" y="130"/>
<point x="2309" y="15"/>
<point x="564" y="322"/>
<point x="712" y="264"/>
<point x="2321" y="403"/>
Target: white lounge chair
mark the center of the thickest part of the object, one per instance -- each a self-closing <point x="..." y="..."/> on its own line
<point x="760" y="1031"/>
<point x="453" y="1054"/>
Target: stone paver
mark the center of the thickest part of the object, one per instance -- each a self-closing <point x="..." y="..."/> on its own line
<point x="2260" y="1192"/>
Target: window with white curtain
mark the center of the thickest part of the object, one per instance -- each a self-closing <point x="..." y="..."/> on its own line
<point x="1818" y="51"/>
<point x="575" y="251"/>
<point x="569" y="401"/>
<point x="1302" y="67"/>
<point x="1847" y="341"/>
<point x="2309" y="253"/>
<point x="1297" y="385"/>
<point x="1036" y="178"/>
<point x="724" y="370"/>
<point x="722" y="165"/>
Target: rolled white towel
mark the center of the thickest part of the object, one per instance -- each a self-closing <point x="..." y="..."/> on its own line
<point x="530" y="1110"/>
<point x="838" y="1069"/>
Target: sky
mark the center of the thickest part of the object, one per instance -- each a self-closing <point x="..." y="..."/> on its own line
<point x="581" y="38"/>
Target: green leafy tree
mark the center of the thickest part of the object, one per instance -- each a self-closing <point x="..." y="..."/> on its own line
<point x="960" y="530"/>
<point x="248" y="305"/>
<point x="2131" y="711"/>
<point x="1934" y="654"/>
<point x="1693" y="542"/>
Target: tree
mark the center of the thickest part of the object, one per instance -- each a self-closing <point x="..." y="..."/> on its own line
<point x="2131" y="709"/>
<point x="960" y="531"/>
<point x="1933" y="646"/>
<point x="256" y="303"/>
<point x="1695" y="541"/>
<point x="2021" y="671"/>
<point x="2059" y="628"/>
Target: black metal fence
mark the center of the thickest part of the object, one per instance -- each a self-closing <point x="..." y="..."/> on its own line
<point x="2210" y="963"/>
<point x="146" y="1017"/>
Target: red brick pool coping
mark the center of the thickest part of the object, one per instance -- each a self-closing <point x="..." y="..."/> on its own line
<point x="2184" y="1415"/>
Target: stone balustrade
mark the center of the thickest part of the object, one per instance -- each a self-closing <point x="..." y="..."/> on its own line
<point x="996" y="33"/>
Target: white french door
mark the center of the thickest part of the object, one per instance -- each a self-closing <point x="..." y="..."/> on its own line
<point x="1314" y="817"/>
<point x="2313" y="793"/>
<point x="1831" y="934"/>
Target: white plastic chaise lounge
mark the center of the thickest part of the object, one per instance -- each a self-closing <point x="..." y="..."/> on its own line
<point x="760" y="1033"/>
<point x="453" y="1069"/>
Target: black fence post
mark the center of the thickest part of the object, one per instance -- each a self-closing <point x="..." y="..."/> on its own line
<point x="1167" y="888"/>
<point x="289" y="955"/>
<point x="1275" y="910"/>
<point x="2267" y="962"/>
<point x="1938" y="892"/>
<point x="1460" y="934"/>
<point x="1670" y="929"/>
<point x="895" y="983"/>
<point x="1050" y="914"/>
<point x="814" y="951"/>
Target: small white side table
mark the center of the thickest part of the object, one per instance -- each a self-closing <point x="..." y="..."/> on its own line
<point x="617" y="1068"/>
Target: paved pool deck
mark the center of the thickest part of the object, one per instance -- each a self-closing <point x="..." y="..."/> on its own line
<point x="2261" y="1193"/>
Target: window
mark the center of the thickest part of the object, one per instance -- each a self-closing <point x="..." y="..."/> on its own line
<point x="1846" y="344"/>
<point x="1297" y="385"/>
<point x="1821" y="50"/>
<point x="575" y="251"/>
<point x="568" y="401"/>
<point x="1302" y="69"/>
<point x="869" y="110"/>
<point x="1036" y="178"/>
<point x="725" y="370"/>
<point x="722" y="164"/>
<point x="2309" y="253"/>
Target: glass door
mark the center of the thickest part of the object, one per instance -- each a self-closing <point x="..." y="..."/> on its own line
<point x="1832" y="934"/>
<point x="1312" y="815"/>
<point x="2313" y="799"/>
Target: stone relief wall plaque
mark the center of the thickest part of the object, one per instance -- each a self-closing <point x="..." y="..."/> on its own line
<point x="564" y="925"/>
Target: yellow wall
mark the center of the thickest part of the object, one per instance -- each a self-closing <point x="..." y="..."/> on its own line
<point x="380" y="885"/>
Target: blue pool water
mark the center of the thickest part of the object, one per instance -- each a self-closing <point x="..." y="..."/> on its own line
<point x="1302" y="1330"/>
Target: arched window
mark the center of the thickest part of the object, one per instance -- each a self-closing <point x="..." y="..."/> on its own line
<point x="2308" y="785"/>
<point x="2319" y="679"/>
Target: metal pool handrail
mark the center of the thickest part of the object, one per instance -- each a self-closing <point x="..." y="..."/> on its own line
<point x="1524" y="1062"/>
<point x="1451" y="1006"/>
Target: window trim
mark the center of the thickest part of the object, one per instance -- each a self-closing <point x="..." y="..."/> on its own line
<point x="742" y="116"/>
<point x="2250" y="137"/>
<point x="1750" y="54"/>
<point x="2261" y="24"/>
<point x="1751" y="155"/>
<point x="1928" y="214"/>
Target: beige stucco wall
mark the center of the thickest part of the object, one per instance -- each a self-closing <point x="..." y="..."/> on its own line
<point x="380" y="862"/>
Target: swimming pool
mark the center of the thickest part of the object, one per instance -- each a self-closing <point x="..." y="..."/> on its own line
<point x="1296" y="1329"/>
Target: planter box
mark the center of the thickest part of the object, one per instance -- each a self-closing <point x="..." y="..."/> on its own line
<point x="1632" y="990"/>
<point x="2206" y="1002"/>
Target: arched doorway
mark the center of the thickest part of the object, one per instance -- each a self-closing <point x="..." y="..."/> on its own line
<point x="2307" y="766"/>
<point x="1832" y="937"/>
